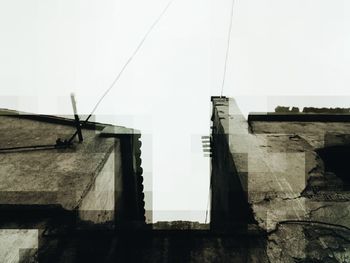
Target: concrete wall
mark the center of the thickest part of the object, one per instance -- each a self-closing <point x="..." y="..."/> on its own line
<point x="229" y="205"/>
<point x="177" y="244"/>
<point x="131" y="208"/>
<point x="18" y="245"/>
<point x="276" y="162"/>
<point x="95" y="183"/>
<point x="98" y="204"/>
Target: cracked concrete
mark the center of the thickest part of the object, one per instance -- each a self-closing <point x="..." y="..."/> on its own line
<point x="285" y="181"/>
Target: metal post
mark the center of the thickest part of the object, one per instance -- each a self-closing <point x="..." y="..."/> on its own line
<point x="76" y="117"/>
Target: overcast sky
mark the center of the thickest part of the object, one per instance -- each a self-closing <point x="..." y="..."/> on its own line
<point x="49" y="49"/>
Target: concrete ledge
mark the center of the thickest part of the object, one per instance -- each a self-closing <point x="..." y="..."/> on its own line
<point x="73" y="179"/>
<point x="299" y="117"/>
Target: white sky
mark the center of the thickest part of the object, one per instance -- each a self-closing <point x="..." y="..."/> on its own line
<point x="49" y="49"/>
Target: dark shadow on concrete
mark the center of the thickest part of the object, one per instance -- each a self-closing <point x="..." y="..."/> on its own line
<point x="336" y="160"/>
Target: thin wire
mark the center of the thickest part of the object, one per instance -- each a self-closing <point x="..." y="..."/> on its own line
<point x="107" y="91"/>
<point x="228" y="47"/>
<point x="130" y="58"/>
<point x="124" y="67"/>
<point x="48" y="146"/>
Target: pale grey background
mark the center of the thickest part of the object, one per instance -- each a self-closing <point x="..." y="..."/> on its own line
<point x="51" y="48"/>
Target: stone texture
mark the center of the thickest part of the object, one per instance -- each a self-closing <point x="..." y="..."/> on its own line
<point x="98" y="204"/>
<point x="285" y="182"/>
<point x="18" y="244"/>
<point x="59" y="177"/>
<point x="68" y="196"/>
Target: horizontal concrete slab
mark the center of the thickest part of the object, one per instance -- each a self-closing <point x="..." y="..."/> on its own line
<point x="48" y="177"/>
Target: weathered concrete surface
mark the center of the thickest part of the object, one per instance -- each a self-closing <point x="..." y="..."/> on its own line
<point x="278" y="168"/>
<point x="164" y="242"/>
<point x="88" y="177"/>
<point x="18" y="244"/>
<point x="133" y="203"/>
<point x="177" y="243"/>
<point x="317" y="134"/>
<point x="308" y="243"/>
<point x="99" y="203"/>
<point x="48" y="177"/>
<point x="96" y="181"/>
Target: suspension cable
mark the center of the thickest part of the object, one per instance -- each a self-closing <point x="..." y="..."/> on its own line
<point x="228" y="47"/>
<point x="66" y="143"/>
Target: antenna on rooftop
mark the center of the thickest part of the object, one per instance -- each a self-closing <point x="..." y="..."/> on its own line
<point x="68" y="142"/>
<point x="60" y="144"/>
<point x="77" y="120"/>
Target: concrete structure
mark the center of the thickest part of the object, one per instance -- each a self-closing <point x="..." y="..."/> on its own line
<point x="287" y="175"/>
<point x="96" y="183"/>
<point x="85" y="203"/>
<point x="280" y="192"/>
